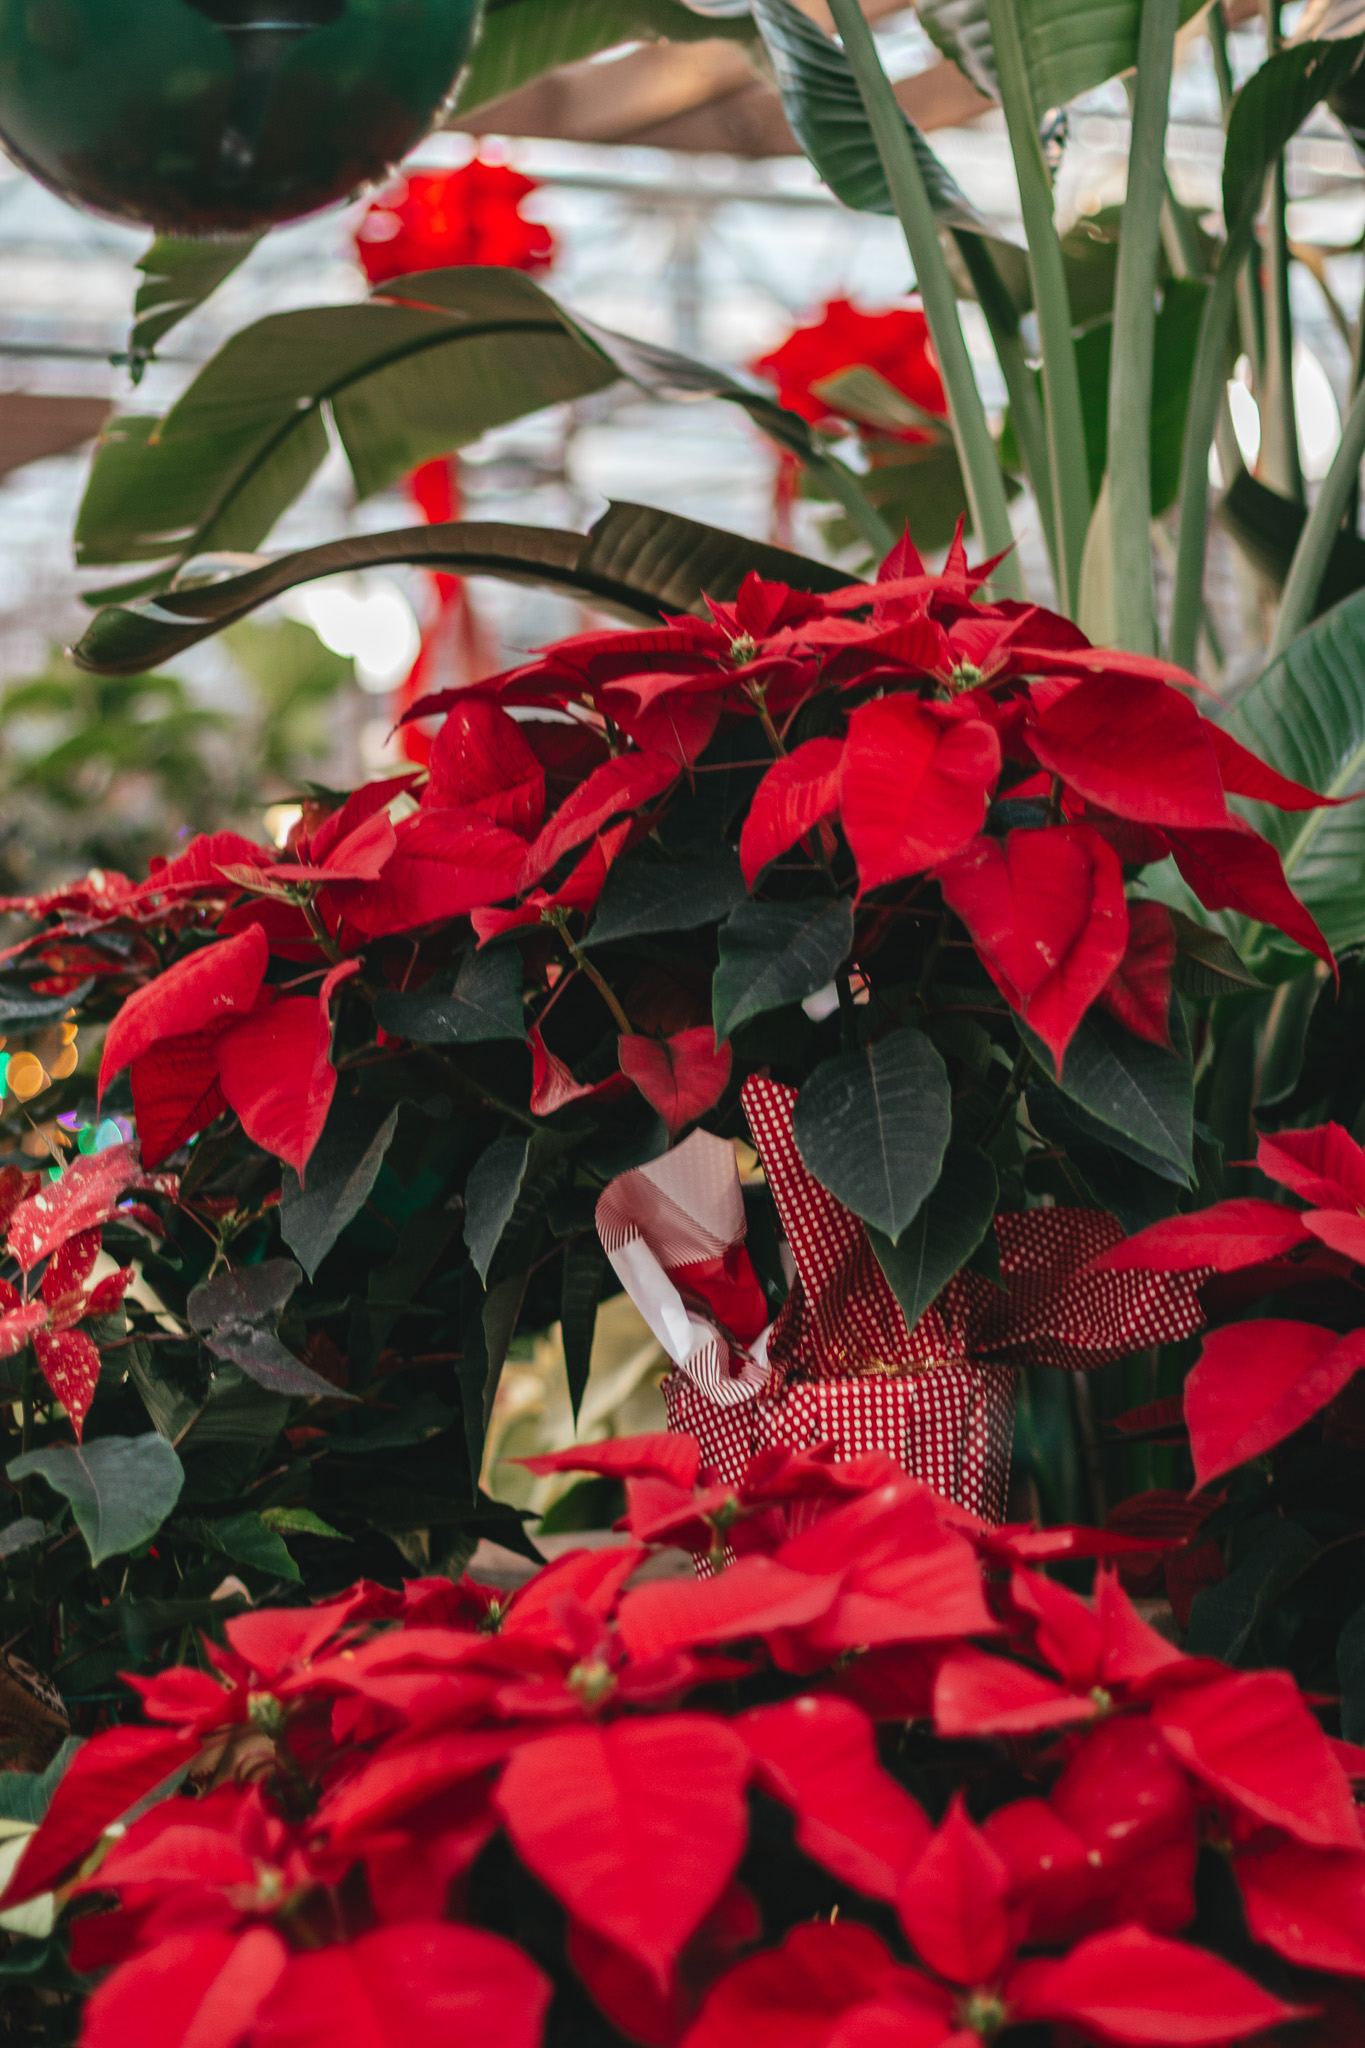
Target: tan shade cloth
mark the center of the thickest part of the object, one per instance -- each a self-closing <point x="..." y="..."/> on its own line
<point x="34" y="425"/>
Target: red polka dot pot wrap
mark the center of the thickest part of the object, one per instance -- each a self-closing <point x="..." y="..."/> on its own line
<point x="840" y="1364"/>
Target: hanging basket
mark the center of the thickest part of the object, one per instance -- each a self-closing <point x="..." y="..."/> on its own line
<point x="203" y="117"/>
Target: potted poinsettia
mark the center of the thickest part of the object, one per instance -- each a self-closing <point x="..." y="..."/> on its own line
<point x="850" y="876"/>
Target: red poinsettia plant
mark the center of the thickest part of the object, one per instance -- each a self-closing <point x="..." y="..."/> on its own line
<point x="880" y="844"/>
<point x="876" y="1777"/>
<point x="1257" y="1383"/>
<point x="874" y="853"/>
<point x="851" y="365"/>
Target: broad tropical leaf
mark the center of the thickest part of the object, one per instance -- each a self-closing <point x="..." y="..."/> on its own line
<point x="1305" y="714"/>
<point x="825" y="108"/>
<point x="1266" y="527"/>
<point x="1271" y="107"/>
<point x="522" y="39"/>
<point x="1177" y="326"/>
<point x="177" y="276"/>
<point x="635" y="562"/>
<point x="464" y="350"/>
<point x="1070" y="46"/>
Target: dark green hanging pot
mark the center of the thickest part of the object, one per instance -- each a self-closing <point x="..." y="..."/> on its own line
<point x="203" y="117"/>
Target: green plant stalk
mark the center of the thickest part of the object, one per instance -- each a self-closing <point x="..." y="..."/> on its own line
<point x="1180" y="236"/>
<point x="1250" y="309"/>
<point x="1251" y="318"/>
<point x="1130" y="372"/>
<point x="1026" y="407"/>
<point x="1180" y="239"/>
<point x="1310" y="558"/>
<point x="843" y="486"/>
<point x="1280" y="430"/>
<point x="1052" y="304"/>
<point x="1206" y="397"/>
<point x="1217" y="29"/>
<point x="975" y="449"/>
<point x="1279" y="462"/>
<point x="1358" y="347"/>
<point x="1351" y="517"/>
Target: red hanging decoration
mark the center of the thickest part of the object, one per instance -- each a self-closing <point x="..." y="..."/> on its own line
<point x="894" y="344"/>
<point x="434" y="220"/>
<point x="808" y="367"/>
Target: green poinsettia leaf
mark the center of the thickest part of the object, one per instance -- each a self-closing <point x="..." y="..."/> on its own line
<point x="873" y="1127"/>
<point x="951" y="1222"/>
<point x="121" y="1488"/>
<point x="777" y="953"/>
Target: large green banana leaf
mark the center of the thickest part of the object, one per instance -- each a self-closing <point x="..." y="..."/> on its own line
<point x="398" y="380"/>
<point x="1305" y="714"/>
<point x="636" y="561"/>
<point x="1070" y="46"/>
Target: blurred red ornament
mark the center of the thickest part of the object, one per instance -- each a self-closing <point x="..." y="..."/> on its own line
<point x="433" y="220"/>
<point x="895" y="345"/>
<point x="454" y="647"/>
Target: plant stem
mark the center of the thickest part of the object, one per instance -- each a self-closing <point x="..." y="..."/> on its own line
<point x="1206" y="397"/>
<point x="1051" y="302"/>
<point x="26" y="1420"/>
<point x="1250" y="310"/>
<point x="1279" y="463"/>
<point x="1351" y="519"/>
<point x="319" y="929"/>
<point x="1280" y="432"/>
<point x="975" y="448"/>
<point x="1090" y="1447"/>
<point x="598" y="980"/>
<point x="1181" y="237"/>
<point x="1014" y="1088"/>
<point x="1320" y="531"/>
<point x="846" y="490"/>
<point x="1026" y="407"/>
<point x="1130" y="373"/>
<point x="1218" y="45"/>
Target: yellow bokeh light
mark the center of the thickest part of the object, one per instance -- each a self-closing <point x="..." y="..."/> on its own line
<point x="66" y="1062"/>
<point x="26" y="1077"/>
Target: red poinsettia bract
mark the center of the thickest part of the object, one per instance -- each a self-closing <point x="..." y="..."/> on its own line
<point x="970" y="756"/>
<point x="609" y="1733"/>
<point x="1256" y="1383"/>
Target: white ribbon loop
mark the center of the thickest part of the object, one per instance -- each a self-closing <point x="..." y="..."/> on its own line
<point x="677" y="1211"/>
